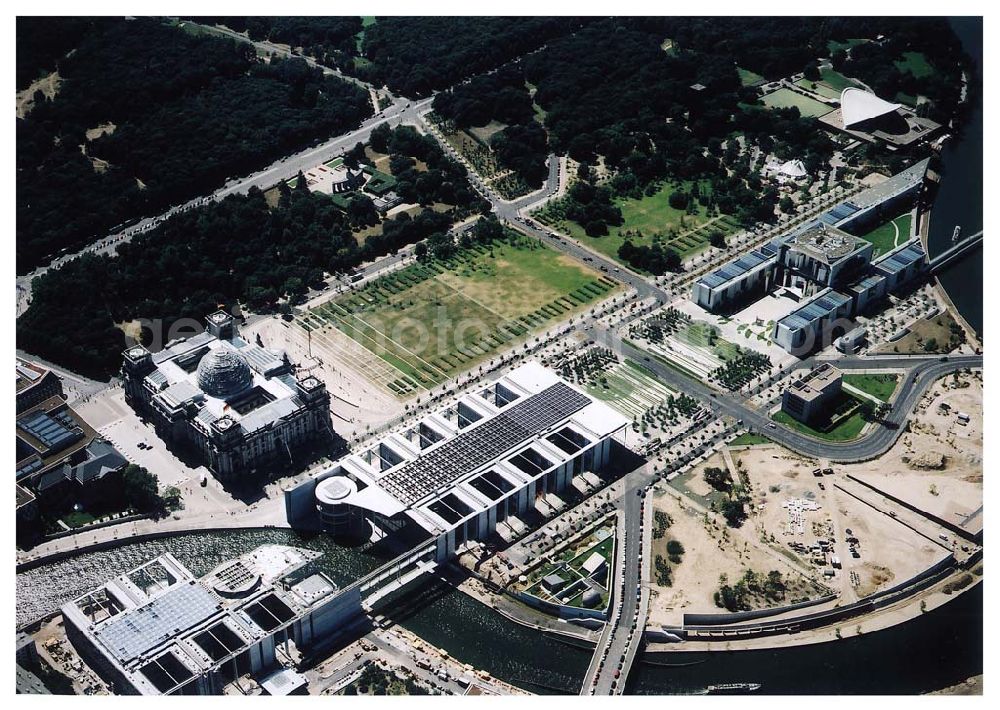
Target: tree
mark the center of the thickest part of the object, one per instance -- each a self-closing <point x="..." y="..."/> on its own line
<point x="420" y="250"/>
<point x="734" y="511"/>
<point x="139" y="488"/>
<point x="718" y="478"/>
<point x="379" y="138"/>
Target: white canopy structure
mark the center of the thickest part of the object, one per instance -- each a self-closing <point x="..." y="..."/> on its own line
<point x="792" y="168"/>
<point x="858" y="105"/>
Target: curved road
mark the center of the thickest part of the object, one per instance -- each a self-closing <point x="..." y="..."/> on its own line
<point x="920" y="374"/>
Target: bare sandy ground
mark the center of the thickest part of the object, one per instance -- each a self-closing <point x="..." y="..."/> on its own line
<point x="355" y="402"/>
<point x="937" y="465"/>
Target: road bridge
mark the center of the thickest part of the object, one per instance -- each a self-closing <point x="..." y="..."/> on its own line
<point x="955" y="253"/>
<point x="617" y="647"/>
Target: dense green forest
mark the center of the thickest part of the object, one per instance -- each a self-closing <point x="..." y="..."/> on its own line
<point x="414" y="56"/>
<point x="329" y="40"/>
<point x="236" y="250"/>
<point x="501" y="96"/>
<point x="180" y="115"/>
<point x="42" y="42"/>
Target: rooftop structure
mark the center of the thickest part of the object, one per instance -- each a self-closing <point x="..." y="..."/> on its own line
<point x="49" y="435"/>
<point x="825" y="243"/>
<point x="864" y="115"/>
<point x="159" y="630"/>
<point x="858" y="106"/>
<point x="808" y="398"/>
<point x="333" y="179"/>
<point x="462" y="470"/>
<point x="798" y="331"/>
<point x="236" y="402"/>
<point x="34" y="384"/>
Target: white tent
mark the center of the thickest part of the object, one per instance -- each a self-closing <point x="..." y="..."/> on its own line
<point x="857" y="105"/>
<point x="792" y="168"/>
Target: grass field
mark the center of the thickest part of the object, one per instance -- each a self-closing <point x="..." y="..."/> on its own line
<point x="878" y="386"/>
<point x="819" y="87"/>
<point x="631" y="389"/>
<point x="890" y="234"/>
<point x="652" y="215"/>
<point x="835" y="45"/>
<point x="431" y="321"/>
<point x="915" y="63"/>
<point x="749" y="439"/>
<point x="835" y="80"/>
<point x="785" y="98"/>
<point x="749" y="78"/>
<point x="359" y="38"/>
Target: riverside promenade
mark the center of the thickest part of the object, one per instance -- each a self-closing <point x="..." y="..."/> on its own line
<point x="266" y="513"/>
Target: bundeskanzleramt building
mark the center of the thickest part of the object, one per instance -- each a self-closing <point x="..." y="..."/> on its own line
<point x="461" y="473"/>
<point x="237" y="403"/>
<point x="832" y="273"/>
<point x="158" y="630"/>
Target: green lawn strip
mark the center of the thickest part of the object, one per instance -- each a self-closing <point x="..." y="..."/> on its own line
<point x="835" y="80"/>
<point x="749" y="439"/>
<point x="884" y="236"/>
<point x="785" y="98"/>
<point x="878" y="386"/>
<point x="749" y="78"/>
<point x="847" y="429"/>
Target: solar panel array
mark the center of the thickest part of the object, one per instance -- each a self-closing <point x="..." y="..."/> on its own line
<point x="901" y="259"/>
<point x="55" y="431"/>
<point x="476" y="447"/>
<point x="737" y="267"/>
<point x="131" y="634"/>
<point x="822" y="307"/>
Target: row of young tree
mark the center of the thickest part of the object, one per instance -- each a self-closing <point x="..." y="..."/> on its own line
<point x="178" y="115"/>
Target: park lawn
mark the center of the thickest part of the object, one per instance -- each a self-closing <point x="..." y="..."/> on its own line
<point x="835" y="80"/>
<point x="819" y="87"/>
<point x="652" y="215"/>
<point x="518" y="280"/>
<point x="890" y="234"/>
<point x="785" y="98"/>
<point x="749" y="439"/>
<point x="432" y="321"/>
<point x="359" y="38"/>
<point x="878" y="386"/>
<point x="835" y="45"/>
<point x="749" y="78"/>
<point x="915" y="63"/>
<point x="78" y="518"/>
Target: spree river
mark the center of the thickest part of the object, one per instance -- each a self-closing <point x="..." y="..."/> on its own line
<point x="960" y="198"/>
<point x="937" y="649"/>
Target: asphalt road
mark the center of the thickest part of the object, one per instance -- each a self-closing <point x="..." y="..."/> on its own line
<point x="921" y="373"/>
<point x="626" y="585"/>
<point x="401" y="111"/>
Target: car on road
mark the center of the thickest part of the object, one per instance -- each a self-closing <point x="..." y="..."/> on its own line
<point x="772" y="425"/>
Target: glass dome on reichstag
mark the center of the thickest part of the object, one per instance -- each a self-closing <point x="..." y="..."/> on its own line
<point x="223" y="372"/>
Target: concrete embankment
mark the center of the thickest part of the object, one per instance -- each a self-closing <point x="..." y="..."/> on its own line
<point x="127" y="534"/>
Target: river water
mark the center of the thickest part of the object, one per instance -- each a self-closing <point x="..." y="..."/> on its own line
<point x="937" y="649"/>
<point x="960" y="198"/>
